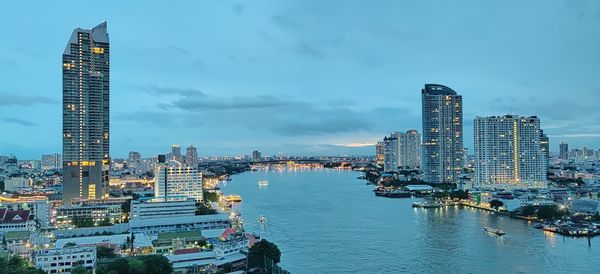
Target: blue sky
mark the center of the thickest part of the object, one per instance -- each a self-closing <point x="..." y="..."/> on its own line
<point x="301" y="77"/>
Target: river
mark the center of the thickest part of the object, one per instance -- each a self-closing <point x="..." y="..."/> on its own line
<point x="328" y="221"/>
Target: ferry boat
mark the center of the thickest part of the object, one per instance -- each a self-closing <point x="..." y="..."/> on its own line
<point x="426" y="204"/>
<point x="263" y="183"/>
<point x="233" y="198"/>
<point x="492" y="230"/>
<point x="397" y="193"/>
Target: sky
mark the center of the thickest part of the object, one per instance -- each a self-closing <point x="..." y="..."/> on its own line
<point x="301" y="77"/>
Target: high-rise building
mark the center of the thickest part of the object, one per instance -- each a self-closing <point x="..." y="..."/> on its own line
<point x="409" y="149"/>
<point x="134" y="162"/>
<point x="86" y="90"/>
<point x="379" y="156"/>
<point x="256" y="155"/>
<point x="174" y="179"/>
<point x="442" y="150"/>
<point x="564" y="151"/>
<point x="51" y="161"/>
<point x="176" y="153"/>
<point x="191" y="156"/>
<point x="545" y="147"/>
<point x="508" y="151"/>
<point x="390" y="153"/>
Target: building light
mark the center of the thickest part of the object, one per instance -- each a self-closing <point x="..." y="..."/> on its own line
<point x="98" y="50"/>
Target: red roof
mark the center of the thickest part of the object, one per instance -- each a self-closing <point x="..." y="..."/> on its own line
<point x="14" y="216"/>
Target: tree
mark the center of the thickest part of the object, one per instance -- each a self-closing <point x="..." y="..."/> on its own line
<point x="103" y="252"/>
<point x="70" y="244"/>
<point x="80" y="269"/>
<point x="495" y="204"/>
<point x="157" y="264"/>
<point x="460" y="194"/>
<point x="17" y="265"/>
<point x="105" y="222"/>
<point x="136" y="266"/>
<point x="596" y="217"/>
<point x="203" y="209"/>
<point x="267" y="249"/>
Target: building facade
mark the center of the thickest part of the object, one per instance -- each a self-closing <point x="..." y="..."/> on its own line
<point x="191" y="156"/>
<point x="86" y="90"/>
<point x="564" y="151"/>
<point x="509" y="151"/>
<point x="442" y="151"/>
<point x="409" y="149"/>
<point x="390" y="153"/>
<point x="51" y="161"/>
<point x="379" y="155"/>
<point x="63" y="260"/>
<point x="177" y="180"/>
<point x="154" y="208"/>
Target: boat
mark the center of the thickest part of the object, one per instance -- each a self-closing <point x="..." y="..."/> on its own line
<point x="263" y="183"/>
<point x="426" y="204"/>
<point x="492" y="230"/>
<point x="538" y="226"/>
<point x="233" y="198"/>
<point x="397" y="193"/>
<point x="262" y="220"/>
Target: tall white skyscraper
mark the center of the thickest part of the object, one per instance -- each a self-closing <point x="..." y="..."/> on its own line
<point x="442" y="151"/>
<point x="509" y="151"/>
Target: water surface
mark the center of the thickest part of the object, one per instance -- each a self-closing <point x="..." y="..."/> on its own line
<point x="327" y="221"/>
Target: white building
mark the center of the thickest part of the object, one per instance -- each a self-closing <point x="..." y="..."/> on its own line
<point x="154" y="226"/>
<point x="13" y="184"/>
<point x="409" y="149"/>
<point x="63" y="260"/>
<point x="16" y="220"/>
<point x="177" y="181"/>
<point x="508" y="152"/>
<point x="160" y="207"/>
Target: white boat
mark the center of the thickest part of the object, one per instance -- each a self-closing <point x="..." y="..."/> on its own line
<point x="263" y="183"/>
<point x="262" y="220"/>
<point x="496" y="231"/>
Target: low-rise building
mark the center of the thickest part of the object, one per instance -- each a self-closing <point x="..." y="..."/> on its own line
<point x="18" y="243"/>
<point x="38" y="205"/>
<point x="13" y="184"/>
<point x="184" y="223"/>
<point x="63" y="260"/>
<point x="16" y="220"/>
<point x="161" y="207"/>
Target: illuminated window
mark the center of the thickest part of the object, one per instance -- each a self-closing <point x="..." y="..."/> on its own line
<point x="98" y="50"/>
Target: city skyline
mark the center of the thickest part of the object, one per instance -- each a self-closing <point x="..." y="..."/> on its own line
<point x="256" y="79"/>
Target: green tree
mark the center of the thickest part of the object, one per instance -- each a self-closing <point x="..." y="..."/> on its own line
<point x="17" y="265"/>
<point x="596" y="217"/>
<point x="267" y="249"/>
<point x="495" y="204"/>
<point x="105" y="222"/>
<point x="80" y="269"/>
<point x="70" y="244"/>
<point x="103" y="252"/>
<point x="136" y="266"/>
<point x="203" y="209"/>
<point x="157" y="264"/>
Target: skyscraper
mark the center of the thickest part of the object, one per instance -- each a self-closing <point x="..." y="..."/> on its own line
<point x="509" y="151"/>
<point x="564" y="151"/>
<point x="379" y="157"/>
<point x="390" y="153"/>
<point x="545" y="147"/>
<point x="176" y="153"/>
<point x="409" y="149"/>
<point x="191" y="156"/>
<point x="86" y="90"/>
<point x="442" y="150"/>
<point x="256" y="155"/>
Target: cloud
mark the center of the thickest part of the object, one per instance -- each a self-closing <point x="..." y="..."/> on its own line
<point x="281" y="115"/>
<point x="7" y="99"/>
<point x="19" y="122"/>
<point x="305" y="49"/>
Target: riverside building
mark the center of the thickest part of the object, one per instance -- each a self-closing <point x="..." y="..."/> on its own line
<point x="509" y="152"/>
<point x="442" y="151"/>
